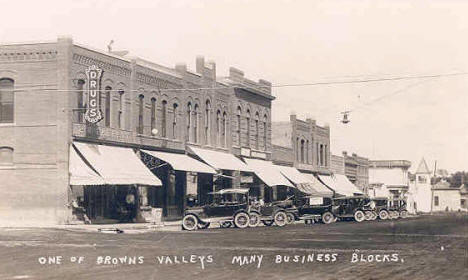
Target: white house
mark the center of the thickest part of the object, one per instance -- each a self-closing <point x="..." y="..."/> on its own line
<point x="420" y="192"/>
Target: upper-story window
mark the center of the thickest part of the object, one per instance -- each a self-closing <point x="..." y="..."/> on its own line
<point x="248" y="127"/>
<point x="164" y="118"/>
<point x="6" y="155"/>
<point x="208" y="122"/>
<point x="218" y="128"/>
<point x="257" y="130"/>
<point x="307" y="151"/>
<point x="302" y="150"/>
<point x="265" y="132"/>
<point x="141" y="105"/>
<point x="224" y="132"/>
<point x="238" y="123"/>
<point x="196" y="118"/>
<point x="120" y="115"/>
<point x="153" y="114"/>
<point x="80" y="102"/>
<point x="7" y="100"/>
<point x="188" y="134"/>
<point x="174" y="120"/>
<point x="422" y="179"/>
<point x="107" y="100"/>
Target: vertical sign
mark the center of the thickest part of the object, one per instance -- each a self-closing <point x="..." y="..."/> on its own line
<point x="93" y="113"/>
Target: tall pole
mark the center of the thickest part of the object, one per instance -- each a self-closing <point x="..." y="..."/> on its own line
<point x="432" y="191"/>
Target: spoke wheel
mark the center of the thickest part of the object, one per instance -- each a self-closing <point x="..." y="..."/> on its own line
<point x="383" y="215"/>
<point x="254" y="219"/>
<point x="328" y="218"/>
<point x="359" y="216"/>
<point x="290" y="217"/>
<point x="280" y="219"/>
<point x="241" y="220"/>
<point x="190" y="222"/>
<point x="404" y="214"/>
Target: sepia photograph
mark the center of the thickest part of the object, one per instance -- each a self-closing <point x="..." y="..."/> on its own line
<point x="234" y="139"/>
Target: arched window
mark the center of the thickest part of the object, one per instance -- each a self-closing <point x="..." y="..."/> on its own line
<point x="307" y="151"/>
<point x="188" y="135"/>
<point x="141" y="101"/>
<point x="248" y="128"/>
<point x="120" y="115"/>
<point x="80" y="102"/>
<point x="7" y="100"/>
<point x="238" y="132"/>
<point x="224" y="132"/>
<point x="257" y="130"/>
<point x="164" y="118"/>
<point x="174" y="120"/>
<point x="302" y="150"/>
<point x="208" y="122"/>
<point x="265" y="131"/>
<point x="218" y="128"/>
<point x="297" y="149"/>
<point x="107" y="100"/>
<point x="6" y="155"/>
<point x="195" y="123"/>
<point x="153" y="114"/>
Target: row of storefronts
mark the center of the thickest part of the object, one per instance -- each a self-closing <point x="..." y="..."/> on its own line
<point x="111" y="184"/>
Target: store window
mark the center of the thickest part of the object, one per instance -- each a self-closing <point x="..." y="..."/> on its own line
<point x="7" y="100"/>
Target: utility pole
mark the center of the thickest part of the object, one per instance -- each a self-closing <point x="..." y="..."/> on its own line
<point x="432" y="191"/>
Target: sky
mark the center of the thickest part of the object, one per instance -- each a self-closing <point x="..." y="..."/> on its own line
<point x="300" y="42"/>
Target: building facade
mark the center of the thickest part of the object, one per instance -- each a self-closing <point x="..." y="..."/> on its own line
<point x="303" y="143"/>
<point x="388" y="177"/>
<point x="145" y="106"/>
<point x="337" y="165"/>
<point x="357" y="170"/>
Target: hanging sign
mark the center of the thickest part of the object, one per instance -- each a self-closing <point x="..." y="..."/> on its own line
<point x="93" y="113"/>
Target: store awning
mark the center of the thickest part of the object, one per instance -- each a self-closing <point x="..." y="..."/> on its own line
<point x="318" y="186"/>
<point x="220" y="160"/>
<point x="267" y="172"/>
<point x="340" y="184"/>
<point x="117" y="165"/>
<point x="80" y="173"/>
<point x="182" y="162"/>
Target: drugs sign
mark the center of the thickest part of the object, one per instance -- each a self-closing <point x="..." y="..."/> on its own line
<point x="93" y="113"/>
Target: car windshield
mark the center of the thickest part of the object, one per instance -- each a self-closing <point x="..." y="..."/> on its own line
<point x="228" y="198"/>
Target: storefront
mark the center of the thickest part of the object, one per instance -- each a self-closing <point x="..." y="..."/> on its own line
<point x="269" y="184"/>
<point x="185" y="180"/>
<point x="340" y="184"/>
<point x="108" y="184"/>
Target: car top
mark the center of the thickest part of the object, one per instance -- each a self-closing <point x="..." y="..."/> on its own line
<point x="350" y="197"/>
<point x="230" y="191"/>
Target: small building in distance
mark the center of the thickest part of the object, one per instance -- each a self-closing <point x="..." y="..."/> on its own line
<point x="357" y="170"/>
<point x="445" y="198"/>
<point x="420" y="188"/>
<point x="388" y="178"/>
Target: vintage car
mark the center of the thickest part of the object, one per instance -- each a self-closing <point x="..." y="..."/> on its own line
<point x="353" y="207"/>
<point x="288" y="205"/>
<point x="270" y="213"/>
<point x="380" y="209"/>
<point x="313" y="209"/>
<point x="228" y="207"/>
<point x="397" y="208"/>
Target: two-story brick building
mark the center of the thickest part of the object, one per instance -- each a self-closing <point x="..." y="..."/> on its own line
<point x="357" y="170"/>
<point x="165" y="133"/>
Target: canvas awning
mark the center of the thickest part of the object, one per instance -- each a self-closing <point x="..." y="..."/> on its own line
<point x="318" y="186"/>
<point x="267" y="172"/>
<point x="220" y="160"/>
<point x="80" y="173"/>
<point x="117" y="165"/>
<point x="340" y="184"/>
<point x="182" y="162"/>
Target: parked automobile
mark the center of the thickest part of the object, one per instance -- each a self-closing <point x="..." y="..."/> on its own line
<point x="381" y="208"/>
<point x="310" y="210"/>
<point x="268" y="214"/>
<point x="397" y="208"/>
<point x="288" y="205"/>
<point x="353" y="207"/>
<point x="228" y="207"/>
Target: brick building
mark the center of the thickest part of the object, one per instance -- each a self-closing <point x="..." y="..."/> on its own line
<point x="304" y="143"/>
<point x="337" y="165"/>
<point x="164" y="116"/>
<point x="357" y="170"/>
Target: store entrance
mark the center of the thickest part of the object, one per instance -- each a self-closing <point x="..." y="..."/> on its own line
<point x="110" y="204"/>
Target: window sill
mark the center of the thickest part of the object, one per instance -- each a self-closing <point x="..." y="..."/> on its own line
<point x="7" y="124"/>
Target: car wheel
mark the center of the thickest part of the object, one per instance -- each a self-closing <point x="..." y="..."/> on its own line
<point x="204" y="225"/>
<point x="280" y="219"/>
<point x="290" y="217"/>
<point x="404" y="214"/>
<point x="241" y="220"/>
<point x="190" y="222"/>
<point x="328" y="218"/>
<point x="368" y="215"/>
<point x="268" y="222"/>
<point x="383" y="214"/>
<point x="374" y="216"/>
<point x="254" y="219"/>
<point x="359" y="216"/>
